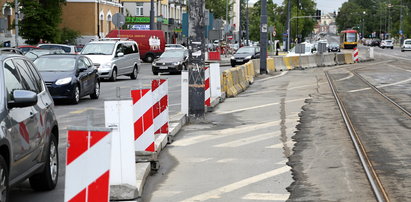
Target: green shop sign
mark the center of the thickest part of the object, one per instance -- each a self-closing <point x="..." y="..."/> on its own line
<point x="144" y="20"/>
<point x="137" y="19"/>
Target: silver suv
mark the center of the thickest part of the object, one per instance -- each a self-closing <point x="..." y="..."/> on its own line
<point x="114" y="57"/>
<point x="29" y="130"/>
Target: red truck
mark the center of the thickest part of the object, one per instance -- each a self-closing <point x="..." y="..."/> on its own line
<point x="151" y="43"/>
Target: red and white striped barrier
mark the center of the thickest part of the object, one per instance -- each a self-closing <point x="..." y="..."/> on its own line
<point x="160" y="107"/>
<point x="207" y="90"/>
<point x="88" y="166"/>
<point x="355" y="54"/>
<point x="143" y="120"/>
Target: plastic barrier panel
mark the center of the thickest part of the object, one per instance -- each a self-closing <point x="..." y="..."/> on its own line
<point x="270" y="65"/>
<point x="348" y="58"/>
<point x="207" y="90"/>
<point x="295" y="61"/>
<point x="279" y="63"/>
<point x="159" y="87"/>
<point x="287" y="63"/>
<point x="143" y="120"/>
<point x="88" y="165"/>
<point x="311" y="61"/>
<point x="304" y="61"/>
<point x="340" y="59"/>
<point x="329" y="59"/>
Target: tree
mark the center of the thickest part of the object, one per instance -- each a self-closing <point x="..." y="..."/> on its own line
<point x="218" y="8"/>
<point x="41" y="20"/>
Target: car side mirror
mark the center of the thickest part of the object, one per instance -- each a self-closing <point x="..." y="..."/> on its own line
<point x="82" y="69"/>
<point x="23" y="98"/>
<point x="120" y="54"/>
<point x="97" y="65"/>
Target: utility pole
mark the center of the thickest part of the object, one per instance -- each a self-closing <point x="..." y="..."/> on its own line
<point x="287" y="47"/>
<point x="247" y="28"/>
<point x="240" y="26"/>
<point x="263" y="37"/>
<point x="226" y="29"/>
<point x="152" y="15"/>
<point x="196" y="93"/>
<point x="16" y="15"/>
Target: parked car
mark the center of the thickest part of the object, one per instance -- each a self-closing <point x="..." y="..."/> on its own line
<point x="27" y="48"/>
<point x="36" y="53"/>
<point x="387" y="44"/>
<point x="245" y="54"/>
<point x="174" y="46"/>
<point x="69" y="77"/>
<point x="174" y="60"/>
<point x="29" y="135"/>
<point x="406" y="46"/>
<point x="151" y="43"/>
<point x="66" y="48"/>
<point x="334" y="47"/>
<point x="114" y="57"/>
<point x="375" y="42"/>
<point x="10" y="51"/>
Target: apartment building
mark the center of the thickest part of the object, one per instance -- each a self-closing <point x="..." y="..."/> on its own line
<point x="92" y="18"/>
<point x="168" y="16"/>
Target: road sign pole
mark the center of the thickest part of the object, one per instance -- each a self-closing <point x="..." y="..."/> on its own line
<point x="152" y="15"/>
<point x="263" y="38"/>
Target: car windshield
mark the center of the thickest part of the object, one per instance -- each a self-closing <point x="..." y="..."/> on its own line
<point x="388" y="41"/>
<point x="407" y="42"/>
<point x="64" y="48"/>
<point x="98" y="49"/>
<point x="55" y="64"/>
<point x="307" y="49"/>
<point x="334" y="45"/>
<point x="173" y="54"/>
<point x="243" y="50"/>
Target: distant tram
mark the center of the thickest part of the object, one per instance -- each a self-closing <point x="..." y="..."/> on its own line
<point x="349" y="39"/>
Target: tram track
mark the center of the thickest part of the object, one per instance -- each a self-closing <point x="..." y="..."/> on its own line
<point x="372" y="176"/>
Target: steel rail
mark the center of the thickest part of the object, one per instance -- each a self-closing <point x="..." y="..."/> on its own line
<point x="376" y="185"/>
<point x="382" y="94"/>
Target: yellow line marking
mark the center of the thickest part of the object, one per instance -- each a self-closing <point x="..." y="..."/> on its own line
<point x="82" y="110"/>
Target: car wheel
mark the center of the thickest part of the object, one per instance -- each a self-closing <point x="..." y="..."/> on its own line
<point x="392" y="47"/>
<point x="96" y="92"/>
<point x="155" y="73"/>
<point x="402" y="50"/>
<point x="114" y="75"/>
<point x="76" y="95"/>
<point x="47" y="179"/>
<point x="133" y="75"/>
<point x="4" y="180"/>
<point x="149" y="58"/>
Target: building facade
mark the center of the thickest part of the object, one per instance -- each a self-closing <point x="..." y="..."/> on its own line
<point x="91" y="18"/>
<point x="7" y="31"/>
<point x="168" y="16"/>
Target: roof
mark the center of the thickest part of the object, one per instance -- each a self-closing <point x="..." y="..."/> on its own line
<point x="349" y="31"/>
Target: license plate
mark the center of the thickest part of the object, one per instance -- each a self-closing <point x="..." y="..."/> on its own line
<point x="239" y="60"/>
<point x="163" y="67"/>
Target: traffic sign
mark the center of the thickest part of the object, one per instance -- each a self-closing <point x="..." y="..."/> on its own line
<point x="119" y="19"/>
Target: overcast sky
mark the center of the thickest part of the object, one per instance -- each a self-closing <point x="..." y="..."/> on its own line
<point x="324" y="5"/>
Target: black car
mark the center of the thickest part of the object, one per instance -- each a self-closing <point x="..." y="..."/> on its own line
<point x="375" y="42"/>
<point x="334" y="47"/>
<point x="29" y="131"/>
<point x="69" y="77"/>
<point x="173" y="61"/>
<point x="245" y="54"/>
<point x="36" y="53"/>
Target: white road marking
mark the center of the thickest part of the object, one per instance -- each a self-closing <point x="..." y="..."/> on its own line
<point x="225" y="160"/>
<point x="273" y="77"/>
<point x="257" y="107"/>
<point x="224" y="133"/>
<point x="167" y="193"/>
<point x="382" y="86"/>
<point x="266" y="197"/>
<point x="347" y="77"/>
<point x="216" y="193"/>
<point x="250" y="140"/>
<point x="197" y="160"/>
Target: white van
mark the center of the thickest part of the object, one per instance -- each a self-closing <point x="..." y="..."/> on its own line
<point x="114" y="57"/>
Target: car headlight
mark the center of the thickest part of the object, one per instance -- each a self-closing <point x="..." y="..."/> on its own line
<point x="232" y="57"/>
<point x="106" y="65"/>
<point x="63" y="81"/>
<point x="176" y="63"/>
<point x="248" y="57"/>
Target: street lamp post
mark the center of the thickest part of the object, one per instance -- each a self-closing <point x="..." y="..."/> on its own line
<point x="363" y="24"/>
<point x="247" y="28"/>
<point x="288" y="26"/>
<point x="152" y="15"/>
<point x="263" y="37"/>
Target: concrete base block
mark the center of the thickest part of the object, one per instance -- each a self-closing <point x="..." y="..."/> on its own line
<point x="123" y="192"/>
<point x="214" y="102"/>
<point x="176" y="123"/>
<point x="142" y="171"/>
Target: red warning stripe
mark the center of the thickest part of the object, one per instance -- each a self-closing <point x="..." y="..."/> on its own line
<point x="78" y="143"/>
<point x="136" y="95"/>
<point x="96" y="191"/>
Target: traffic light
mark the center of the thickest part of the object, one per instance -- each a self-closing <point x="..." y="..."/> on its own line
<point x="318" y="14"/>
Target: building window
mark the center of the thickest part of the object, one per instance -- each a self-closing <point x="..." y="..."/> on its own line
<point x="139" y="9"/>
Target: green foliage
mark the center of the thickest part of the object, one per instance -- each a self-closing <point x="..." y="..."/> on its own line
<point x="41" y="20"/>
<point x="218" y="8"/>
<point x="380" y="16"/>
<point x="67" y="36"/>
<point x="277" y="17"/>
